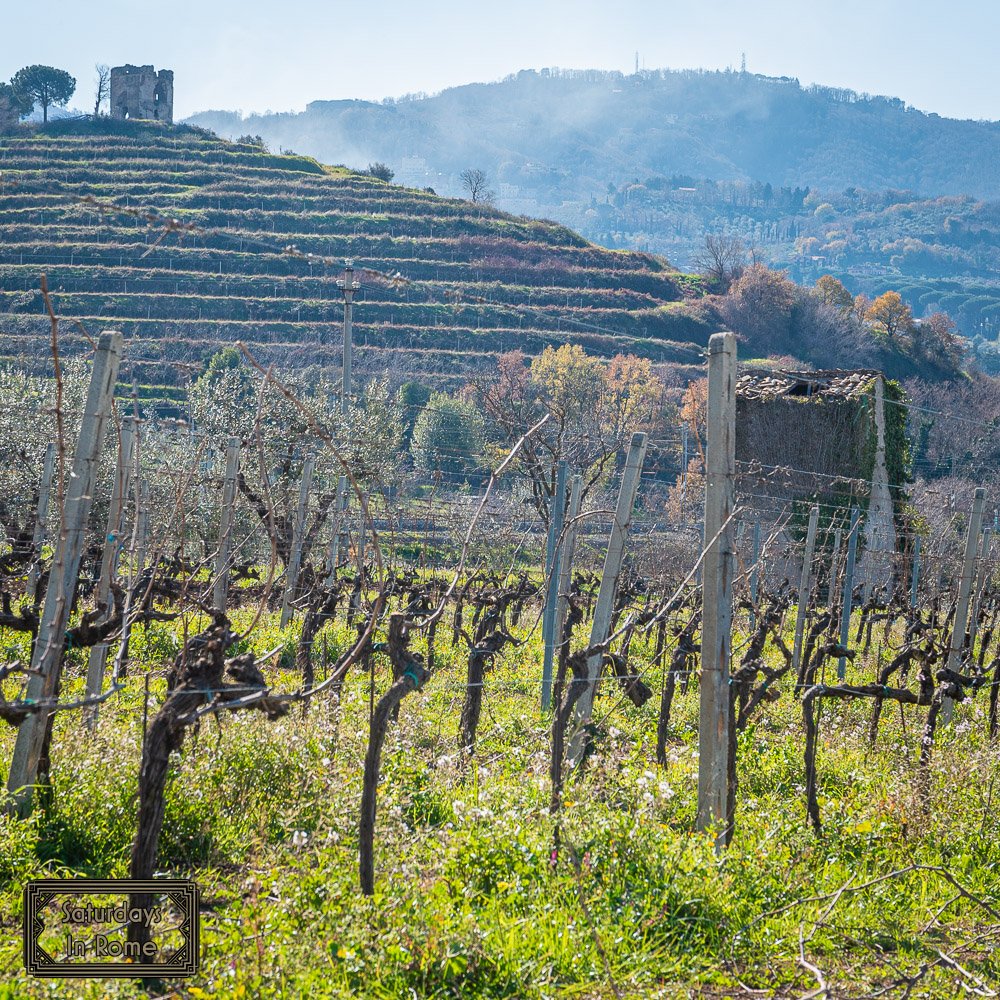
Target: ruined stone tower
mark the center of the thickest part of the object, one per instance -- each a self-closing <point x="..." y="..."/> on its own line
<point x="141" y="92"/>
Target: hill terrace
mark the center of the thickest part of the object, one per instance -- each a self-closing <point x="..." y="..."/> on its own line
<point x="446" y="285"/>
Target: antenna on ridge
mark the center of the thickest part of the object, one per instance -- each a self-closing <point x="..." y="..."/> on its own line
<point x="743" y="62"/>
<point x="636" y="62"/>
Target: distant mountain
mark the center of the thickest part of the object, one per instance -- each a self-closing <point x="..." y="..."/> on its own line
<point x="817" y="180"/>
<point x="545" y="136"/>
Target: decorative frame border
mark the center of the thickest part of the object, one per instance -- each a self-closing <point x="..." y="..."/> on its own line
<point x="183" y="893"/>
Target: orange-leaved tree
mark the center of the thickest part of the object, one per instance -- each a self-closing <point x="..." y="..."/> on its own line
<point x="890" y="315"/>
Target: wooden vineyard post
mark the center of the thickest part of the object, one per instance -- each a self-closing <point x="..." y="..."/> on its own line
<point x="298" y="532"/>
<point x="981" y="578"/>
<point x="137" y="559"/>
<point x="142" y="528"/>
<point x="717" y="587"/>
<point x="109" y="558"/>
<point x="348" y="286"/>
<point x="831" y="590"/>
<point x="915" y="581"/>
<point x="754" y="574"/>
<point x="46" y="660"/>
<point x="848" y="596"/>
<point x="805" y="581"/>
<point x="958" y="632"/>
<point x="553" y="548"/>
<point x="41" y="522"/>
<point x="604" y="609"/>
<point x="220" y="590"/>
<point x="566" y="556"/>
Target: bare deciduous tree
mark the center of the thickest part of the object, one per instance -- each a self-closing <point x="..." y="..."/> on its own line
<point x="102" y="87"/>
<point x="476" y="182"/>
<point x="722" y="259"/>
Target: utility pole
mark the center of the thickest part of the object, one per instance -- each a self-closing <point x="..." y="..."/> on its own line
<point x="804" y="589"/>
<point x="958" y="632"/>
<point x="348" y="286"/>
<point x="717" y="587"/>
<point x="604" y="609"/>
<point x="220" y="591"/>
<point x="46" y="659"/>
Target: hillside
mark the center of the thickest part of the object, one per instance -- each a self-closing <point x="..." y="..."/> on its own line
<point x="938" y="253"/>
<point x="446" y="284"/>
<point x="556" y="135"/>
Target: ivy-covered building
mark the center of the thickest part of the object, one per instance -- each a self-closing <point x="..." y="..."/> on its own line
<point x="837" y="438"/>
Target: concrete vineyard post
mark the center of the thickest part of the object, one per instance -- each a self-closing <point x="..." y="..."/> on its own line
<point x="717" y="587"/>
<point x="348" y="286"/>
<point x="47" y="657"/>
<point x="566" y="557"/>
<point x="831" y="590"/>
<point x="981" y="579"/>
<point x="604" y="608"/>
<point x="915" y="581"/>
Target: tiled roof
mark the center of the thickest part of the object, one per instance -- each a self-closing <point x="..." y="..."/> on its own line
<point x="831" y="384"/>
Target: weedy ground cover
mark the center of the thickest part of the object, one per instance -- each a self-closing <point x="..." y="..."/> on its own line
<point x="473" y="899"/>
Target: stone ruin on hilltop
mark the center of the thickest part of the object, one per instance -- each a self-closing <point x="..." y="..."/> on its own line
<point x="139" y="92"/>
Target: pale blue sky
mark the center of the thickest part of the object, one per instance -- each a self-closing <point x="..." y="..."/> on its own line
<point x="255" y="55"/>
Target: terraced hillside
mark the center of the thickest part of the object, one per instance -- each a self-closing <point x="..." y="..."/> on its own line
<point x="445" y="284"/>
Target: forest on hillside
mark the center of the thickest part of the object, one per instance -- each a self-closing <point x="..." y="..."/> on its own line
<point x="940" y="253"/>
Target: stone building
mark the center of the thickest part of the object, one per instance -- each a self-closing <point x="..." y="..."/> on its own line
<point x="139" y="92"/>
<point x="836" y="438"/>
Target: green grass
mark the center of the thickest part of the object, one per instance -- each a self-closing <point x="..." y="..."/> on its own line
<point x="472" y="902"/>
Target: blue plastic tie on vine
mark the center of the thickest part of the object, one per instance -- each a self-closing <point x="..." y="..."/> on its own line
<point x="416" y="679"/>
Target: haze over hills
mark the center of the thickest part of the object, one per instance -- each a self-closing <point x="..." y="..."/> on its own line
<point x="818" y="180"/>
<point x="554" y="131"/>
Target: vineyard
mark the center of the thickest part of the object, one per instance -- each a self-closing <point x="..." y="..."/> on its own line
<point x="448" y="284"/>
<point x="627" y="735"/>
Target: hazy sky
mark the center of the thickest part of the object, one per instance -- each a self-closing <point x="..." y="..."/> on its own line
<point x="255" y="55"/>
